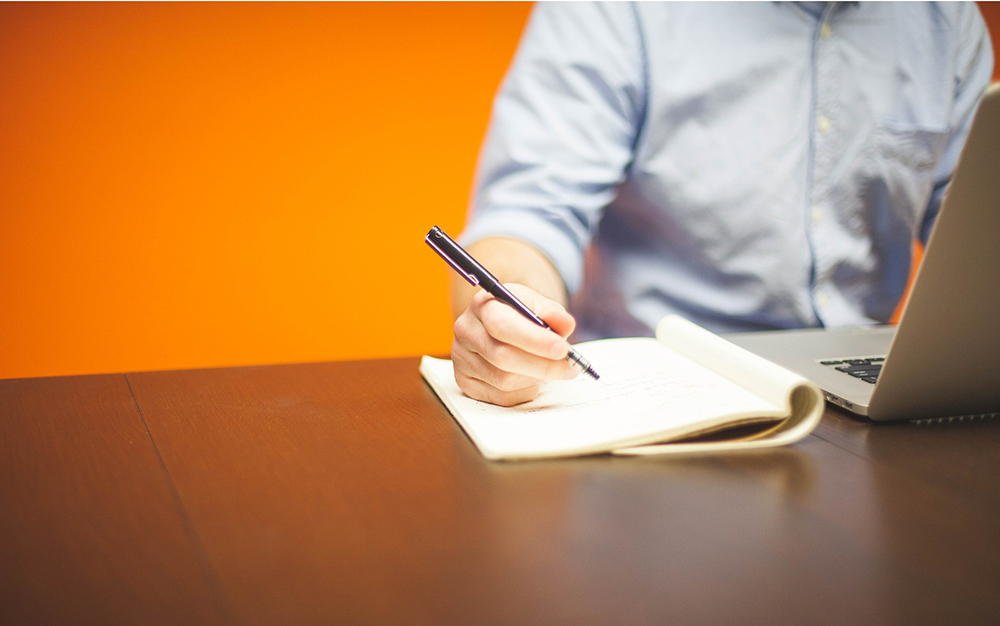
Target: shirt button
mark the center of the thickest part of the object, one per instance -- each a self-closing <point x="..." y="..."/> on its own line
<point x="817" y="215"/>
<point x="823" y="124"/>
<point x="822" y="299"/>
<point x="825" y="31"/>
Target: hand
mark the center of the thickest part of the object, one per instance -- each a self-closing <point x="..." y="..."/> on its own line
<point x="500" y="357"/>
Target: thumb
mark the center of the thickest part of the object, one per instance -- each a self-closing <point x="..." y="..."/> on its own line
<point x="560" y="321"/>
<point x="553" y="313"/>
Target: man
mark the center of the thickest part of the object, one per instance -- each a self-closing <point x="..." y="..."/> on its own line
<point x="748" y="166"/>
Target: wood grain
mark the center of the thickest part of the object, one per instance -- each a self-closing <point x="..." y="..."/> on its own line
<point x="344" y="493"/>
<point x="90" y="531"/>
<point x="958" y="456"/>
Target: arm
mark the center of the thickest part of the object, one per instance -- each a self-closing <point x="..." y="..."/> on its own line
<point x="972" y="76"/>
<point x="512" y="261"/>
<point x="562" y="134"/>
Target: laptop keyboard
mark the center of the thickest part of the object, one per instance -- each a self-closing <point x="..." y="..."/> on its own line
<point x="865" y="368"/>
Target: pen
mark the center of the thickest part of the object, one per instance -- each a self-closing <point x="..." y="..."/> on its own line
<point x="470" y="269"/>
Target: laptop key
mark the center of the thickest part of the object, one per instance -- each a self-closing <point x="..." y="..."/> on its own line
<point x="866" y="369"/>
<point x="863" y="374"/>
<point x="860" y="369"/>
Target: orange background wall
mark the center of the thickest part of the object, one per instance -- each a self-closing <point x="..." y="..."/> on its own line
<point x="192" y="185"/>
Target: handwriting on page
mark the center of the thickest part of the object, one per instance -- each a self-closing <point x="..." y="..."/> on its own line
<point x="647" y="392"/>
<point x="639" y="376"/>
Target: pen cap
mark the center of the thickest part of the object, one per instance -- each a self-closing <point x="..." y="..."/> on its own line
<point x="439" y="241"/>
<point x="460" y="260"/>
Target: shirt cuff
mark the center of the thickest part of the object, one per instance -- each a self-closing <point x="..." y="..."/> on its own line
<point x="561" y="246"/>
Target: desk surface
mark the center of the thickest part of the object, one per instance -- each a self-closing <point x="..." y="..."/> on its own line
<point x="344" y="493"/>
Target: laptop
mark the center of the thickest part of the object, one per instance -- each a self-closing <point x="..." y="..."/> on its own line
<point x="943" y="358"/>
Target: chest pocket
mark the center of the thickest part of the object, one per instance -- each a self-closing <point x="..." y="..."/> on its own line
<point x="897" y="177"/>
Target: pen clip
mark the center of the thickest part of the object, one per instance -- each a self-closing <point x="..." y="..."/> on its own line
<point x="450" y="261"/>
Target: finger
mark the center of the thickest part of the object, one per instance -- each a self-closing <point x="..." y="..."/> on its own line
<point x="478" y="390"/>
<point x="560" y="321"/>
<point x="507" y="326"/>
<point x="549" y="310"/>
<point x="506" y="377"/>
<point x="475" y="366"/>
<point x="472" y="336"/>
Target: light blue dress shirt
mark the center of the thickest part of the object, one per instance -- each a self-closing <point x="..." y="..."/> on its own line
<point x="748" y="166"/>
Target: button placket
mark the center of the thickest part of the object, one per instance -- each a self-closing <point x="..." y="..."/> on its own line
<point x="824" y="146"/>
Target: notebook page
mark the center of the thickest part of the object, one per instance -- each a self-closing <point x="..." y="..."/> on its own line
<point x="766" y="379"/>
<point x="647" y="392"/>
<point x="802" y="399"/>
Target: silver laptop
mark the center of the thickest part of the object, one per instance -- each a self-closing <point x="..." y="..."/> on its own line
<point x="943" y="359"/>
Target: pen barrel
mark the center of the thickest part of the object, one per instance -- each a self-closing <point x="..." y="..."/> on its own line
<point x="470" y="269"/>
<point x="575" y="357"/>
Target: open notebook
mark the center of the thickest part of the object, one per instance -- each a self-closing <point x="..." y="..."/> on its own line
<point x="684" y="385"/>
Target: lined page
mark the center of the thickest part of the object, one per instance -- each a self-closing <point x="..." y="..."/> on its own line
<point x="647" y="393"/>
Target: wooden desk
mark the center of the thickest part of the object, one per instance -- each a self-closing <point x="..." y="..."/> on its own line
<point x="343" y="493"/>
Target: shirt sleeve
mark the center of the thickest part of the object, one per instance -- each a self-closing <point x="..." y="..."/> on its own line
<point x="973" y="71"/>
<point x="562" y="133"/>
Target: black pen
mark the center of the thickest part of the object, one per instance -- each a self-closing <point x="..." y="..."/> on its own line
<point x="470" y="269"/>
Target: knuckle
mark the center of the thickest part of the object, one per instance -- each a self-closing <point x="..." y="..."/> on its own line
<point x="491" y="350"/>
<point x="458" y="329"/>
<point x="462" y="325"/>
<point x="506" y="381"/>
<point x="490" y="316"/>
<point x="506" y="400"/>
<point x="469" y="334"/>
<point x="501" y="355"/>
<point x="485" y="392"/>
<point x="467" y="385"/>
<point x="522" y="395"/>
<point x="479" y="299"/>
<point x="459" y="357"/>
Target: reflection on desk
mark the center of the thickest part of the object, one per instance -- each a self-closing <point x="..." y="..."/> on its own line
<point x="344" y="493"/>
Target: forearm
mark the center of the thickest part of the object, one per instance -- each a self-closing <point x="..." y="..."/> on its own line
<point x="511" y="261"/>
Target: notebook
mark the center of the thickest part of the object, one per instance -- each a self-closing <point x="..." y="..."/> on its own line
<point x="943" y="358"/>
<point x="687" y="386"/>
